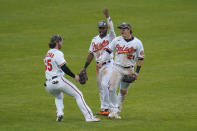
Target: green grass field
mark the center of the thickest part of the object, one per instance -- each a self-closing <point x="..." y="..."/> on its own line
<point x="163" y="99"/>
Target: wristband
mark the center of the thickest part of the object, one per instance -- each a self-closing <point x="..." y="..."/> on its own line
<point x="86" y="65"/>
<point x="138" y="69"/>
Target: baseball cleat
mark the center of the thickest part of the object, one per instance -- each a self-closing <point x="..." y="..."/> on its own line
<point x="111" y="115"/>
<point x="100" y="113"/>
<point x="59" y="118"/>
<point x="105" y="112"/>
<point x="114" y="115"/>
<point x="117" y="116"/>
<point x="94" y="119"/>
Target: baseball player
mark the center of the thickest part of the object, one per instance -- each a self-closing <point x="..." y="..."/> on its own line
<point x="129" y="51"/>
<point x="96" y="50"/>
<point x="56" y="84"/>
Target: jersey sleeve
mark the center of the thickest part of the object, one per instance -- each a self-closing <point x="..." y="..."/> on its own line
<point x="91" y="47"/>
<point x="112" y="33"/>
<point x="112" y="45"/>
<point x="140" y="50"/>
<point x="59" y="59"/>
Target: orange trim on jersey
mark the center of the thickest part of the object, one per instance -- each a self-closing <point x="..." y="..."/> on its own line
<point x="49" y="55"/>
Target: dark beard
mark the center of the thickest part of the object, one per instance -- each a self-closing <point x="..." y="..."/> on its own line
<point x="102" y="34"/>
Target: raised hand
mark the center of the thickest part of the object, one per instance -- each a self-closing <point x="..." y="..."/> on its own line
<point x="106" y="13"/>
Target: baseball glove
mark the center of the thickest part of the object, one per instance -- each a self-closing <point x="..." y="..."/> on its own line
<point x="83" y="77"/>
<point x="129" y="78"/>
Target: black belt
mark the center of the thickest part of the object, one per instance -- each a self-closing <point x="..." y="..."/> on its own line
<point x="55" y="82"/>
<point x="128" y="67"/>
<point x="53" y="77"/>
<point x="125" y="67"/>
<point x="104" y="62"/>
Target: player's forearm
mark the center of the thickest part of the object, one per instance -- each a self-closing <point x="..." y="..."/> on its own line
<point x="67" y="71"/>
<point x="139" y="64"/>
<point x="88" y="60"/>
<point x="110" y="24"/>
<point x="111" y="28"/>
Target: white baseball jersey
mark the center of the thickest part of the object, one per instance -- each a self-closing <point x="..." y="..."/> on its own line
<point x="98" y="44"/>
<point x="127" y="53"/>
<point x="53" y="60"/>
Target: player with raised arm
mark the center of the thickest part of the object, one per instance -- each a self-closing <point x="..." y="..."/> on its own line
<point x="96" y="50"/>
<point x="129" y="51"/>
<point x="56" y="84"/>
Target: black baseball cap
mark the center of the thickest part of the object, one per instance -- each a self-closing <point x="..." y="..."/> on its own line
<point x="102" y="23"/>
<point x="124" y="25"/>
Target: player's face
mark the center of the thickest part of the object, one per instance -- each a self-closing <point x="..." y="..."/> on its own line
<point x="60" y="44"/>
<point x="125" y="32"/>
<point x="102" y="31"/>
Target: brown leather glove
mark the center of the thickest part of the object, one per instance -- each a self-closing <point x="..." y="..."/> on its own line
<point x="83" y="76"/>
<point x="129" y="78"/>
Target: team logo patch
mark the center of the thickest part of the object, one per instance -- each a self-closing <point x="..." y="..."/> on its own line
<point x="142" y="53"/>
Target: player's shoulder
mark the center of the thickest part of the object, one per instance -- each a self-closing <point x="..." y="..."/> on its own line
<point x="95" y="38"/>
<point x="118" y="38"/>
<point x="137" y="40"/>
<point x="107" y="36"/>
<point x="57" y="52"/>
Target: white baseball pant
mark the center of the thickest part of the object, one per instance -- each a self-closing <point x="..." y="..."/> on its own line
<point x="116" y="78"/>
<point x="67" y="87"/>
<point x="103" y="77"/>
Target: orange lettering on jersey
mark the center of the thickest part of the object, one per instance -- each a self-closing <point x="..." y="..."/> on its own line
<point x="49" y="55"/>
<point x="124" y="50"/>
<point x="99" y="46"/>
